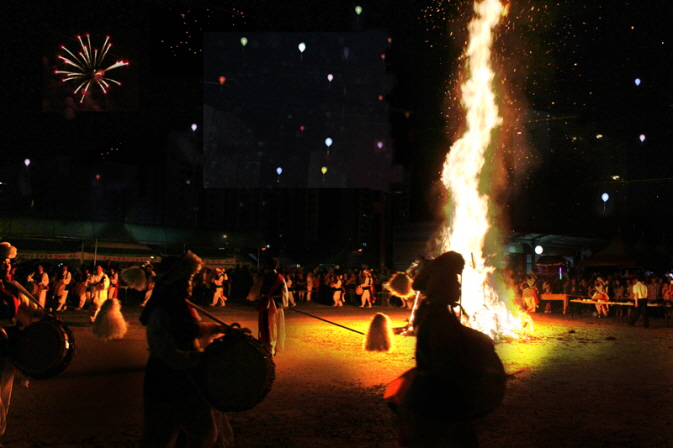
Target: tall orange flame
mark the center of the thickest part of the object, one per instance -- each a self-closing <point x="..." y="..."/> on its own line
<point x="486" y="300"/>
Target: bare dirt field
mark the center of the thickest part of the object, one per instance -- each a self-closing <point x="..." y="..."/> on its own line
<point x="577" y="382"/>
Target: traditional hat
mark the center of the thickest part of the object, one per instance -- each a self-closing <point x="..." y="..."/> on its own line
<point x="7" y="250"/>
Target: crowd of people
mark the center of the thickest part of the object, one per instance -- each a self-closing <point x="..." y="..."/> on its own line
<point x="639" y="288"/>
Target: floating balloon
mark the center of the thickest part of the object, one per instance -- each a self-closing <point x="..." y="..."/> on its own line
<point x="330" y="77"/>
<point x="605" y="197"/>
<point x="194" y="127"/>
<point x="302" y="47"/>
<point x="637" y="81"/>
<point x="222" y="80"/>
<point x="244" y="41"/>
<point x="380" y="97"/>
<point x="358" y="10"/>
<point x="279" y="170"/>
<point x="346" y="53"/>
<point x="323" y="170"/>
<point x="380" y="145"/>
<point x="328" y="142"/>
<point x="642" y="138"/>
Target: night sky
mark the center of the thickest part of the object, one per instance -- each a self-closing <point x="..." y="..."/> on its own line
<point x="574" y="63"/>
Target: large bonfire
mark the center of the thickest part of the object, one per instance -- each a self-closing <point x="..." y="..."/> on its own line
<point x="487" y="299"/>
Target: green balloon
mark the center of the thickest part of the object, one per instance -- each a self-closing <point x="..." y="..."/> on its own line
<point x="244" y="40"/>
<point x="358" y="10"/>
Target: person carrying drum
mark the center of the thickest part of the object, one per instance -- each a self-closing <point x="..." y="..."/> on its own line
<point x="272" y="303"/>
<point x="40" y="281"/>
<point x="458" y="376"/>
<point x="16" y="312"/>
<point x="173" y="401"/>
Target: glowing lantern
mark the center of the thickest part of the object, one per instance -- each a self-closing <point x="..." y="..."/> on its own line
<point x="642" y="138"/>
<point x="244" y="42"/>
<point x="358" y="10"/>
<point x="328" y="142"/>
<point x="323" y="170"/>
<point x="302" y="47"/>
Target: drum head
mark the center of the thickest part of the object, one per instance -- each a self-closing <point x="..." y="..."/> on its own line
<point x="236" y="373"/>
<point x="43" y="349"/>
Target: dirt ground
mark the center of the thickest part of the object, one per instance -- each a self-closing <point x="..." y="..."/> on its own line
<point x="577" y="382"/>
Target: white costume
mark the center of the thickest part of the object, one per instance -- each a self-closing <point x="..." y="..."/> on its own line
<point x="219" y="298"/>
<point x="60" y="291"/>
<point x="367" y="290"/>
<point x="42" y="281"/>
<point x="98" y="284"/>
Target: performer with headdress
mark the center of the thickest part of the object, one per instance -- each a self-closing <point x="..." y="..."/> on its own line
<point x="172" y="399"/>
<point x="272" y="303"/>
<point x="458" y="375"/>
<point x="219" y="299"/>
<point x="16" y="312"/>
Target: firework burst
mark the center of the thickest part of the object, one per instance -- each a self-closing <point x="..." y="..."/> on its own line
<point x="88" y="67"/>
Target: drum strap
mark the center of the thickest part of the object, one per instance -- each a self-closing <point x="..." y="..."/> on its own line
<point x="275" y="286"/>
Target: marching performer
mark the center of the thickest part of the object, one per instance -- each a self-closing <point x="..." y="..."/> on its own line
<point x="337" y="293"/>
<point x="172" y="400"/>
<point x="60" y="288"/>
<point x="98" y="284"/>
<point x="273" y="300"/>
<point x="367" y="289"/>
<point x="17" y="311"/>
<point x="458" y="375"/>
<point x="219" y="299"/>
<point x="40" y="281"/>
<point x="113" y="291"/>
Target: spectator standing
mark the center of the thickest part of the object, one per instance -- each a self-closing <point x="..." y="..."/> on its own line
<point x="640" y="293"/>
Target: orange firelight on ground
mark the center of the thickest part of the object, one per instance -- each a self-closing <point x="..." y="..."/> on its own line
<point x="467" y="210"/>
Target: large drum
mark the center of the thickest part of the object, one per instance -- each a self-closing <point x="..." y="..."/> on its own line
<point x="236" y="372"/>
<point x="43" y="349"/>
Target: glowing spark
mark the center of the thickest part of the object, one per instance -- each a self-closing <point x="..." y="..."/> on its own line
<point x="89" y="67"/>
<point x="469" y="207"/>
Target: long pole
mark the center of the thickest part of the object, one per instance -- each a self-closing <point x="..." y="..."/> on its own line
<point x="325" y="320"/>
